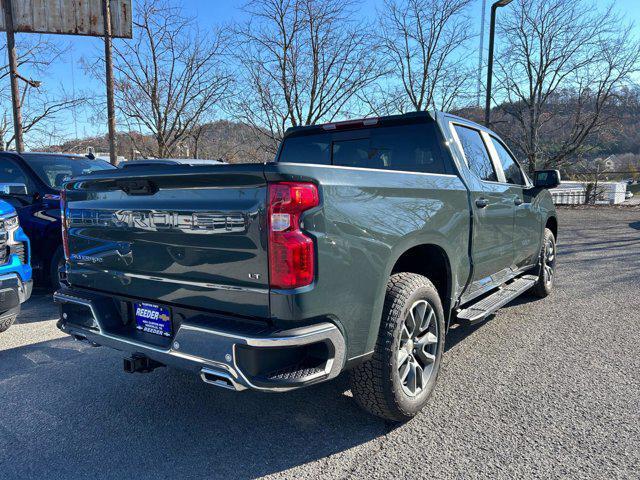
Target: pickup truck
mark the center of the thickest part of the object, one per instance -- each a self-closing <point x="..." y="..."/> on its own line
<point x="15" y="271"/>
<point x="31" y="182"/>
<point x="355" y="249"/>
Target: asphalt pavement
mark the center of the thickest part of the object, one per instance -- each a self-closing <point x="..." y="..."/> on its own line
<point x="545" y="389"/>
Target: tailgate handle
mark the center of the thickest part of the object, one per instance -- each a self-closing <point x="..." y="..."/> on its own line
<point x="138" y="187"/>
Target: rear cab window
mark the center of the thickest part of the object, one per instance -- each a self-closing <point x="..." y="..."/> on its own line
<point x="410" y="148"/>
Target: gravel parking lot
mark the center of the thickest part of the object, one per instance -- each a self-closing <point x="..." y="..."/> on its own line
<point x="547" y="388"/>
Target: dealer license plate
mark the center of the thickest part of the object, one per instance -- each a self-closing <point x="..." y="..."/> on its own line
<point x="152" y="318"/>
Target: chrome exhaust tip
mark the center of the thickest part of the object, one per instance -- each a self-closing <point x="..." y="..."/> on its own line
<point x="220" y="379"/>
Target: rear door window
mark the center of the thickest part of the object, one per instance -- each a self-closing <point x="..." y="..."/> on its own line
<point x="476" y="154"/>
<point x="411" y="148"/>
<point x="512" y="170"/>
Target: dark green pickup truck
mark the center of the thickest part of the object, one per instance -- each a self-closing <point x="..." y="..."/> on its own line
<point x="354" y="250"/>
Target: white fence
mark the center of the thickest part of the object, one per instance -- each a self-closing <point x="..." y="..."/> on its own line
<point x="575" y="193"/>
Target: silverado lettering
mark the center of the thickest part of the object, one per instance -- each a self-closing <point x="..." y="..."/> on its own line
<point x="210" y="222"/>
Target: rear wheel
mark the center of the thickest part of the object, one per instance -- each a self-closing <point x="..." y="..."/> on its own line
<point x="6" y="322"/>
<point x="398" y="380"/>
<point x="57" y="262"/>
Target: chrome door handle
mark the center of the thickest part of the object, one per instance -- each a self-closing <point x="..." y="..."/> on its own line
<point x="482" y="203"/>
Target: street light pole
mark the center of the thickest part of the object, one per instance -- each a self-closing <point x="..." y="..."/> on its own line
<point x="492" y="32"/>
<point x="481" y="53"/>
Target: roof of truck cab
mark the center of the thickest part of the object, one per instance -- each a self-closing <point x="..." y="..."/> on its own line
<point x="389" y="120"/>
<point x="384" y="121"/>
<point x="27" y="155"/>
<point x="169" y="161"/>
<point x="51" y="154"/>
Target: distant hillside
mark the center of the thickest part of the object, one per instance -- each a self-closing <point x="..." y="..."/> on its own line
<point x="231" y="141"/>
<point x="618" y="142"/>
<point x="615" y="147"/>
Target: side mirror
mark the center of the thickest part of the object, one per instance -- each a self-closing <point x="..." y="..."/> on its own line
<point x="546" y="178"/>
<point x="13" y="189"/>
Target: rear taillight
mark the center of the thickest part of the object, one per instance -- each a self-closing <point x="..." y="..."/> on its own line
<point x="63" y="218"/>
<point x="291" y="252"/>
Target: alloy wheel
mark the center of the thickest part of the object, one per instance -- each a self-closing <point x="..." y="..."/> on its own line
<point x="418" y="348"/>
<point x="549" y="262"/>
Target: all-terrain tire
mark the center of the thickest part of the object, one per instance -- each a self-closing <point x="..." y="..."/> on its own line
<point x="6" y="322"/>
<point x="376" y="384"/>
<point x="547" y="266"/>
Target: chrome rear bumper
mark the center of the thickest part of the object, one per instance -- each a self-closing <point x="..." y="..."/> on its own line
<point x="232" y="359"/>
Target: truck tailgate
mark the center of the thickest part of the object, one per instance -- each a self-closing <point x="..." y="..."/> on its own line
<point x="191" y="236"/>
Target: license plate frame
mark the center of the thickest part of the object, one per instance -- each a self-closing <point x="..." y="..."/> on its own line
<point x="153" y="319"/>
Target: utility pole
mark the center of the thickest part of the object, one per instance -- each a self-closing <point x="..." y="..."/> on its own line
<point x="492" y="34"/>
<point x="13" y="75"/>
<point x="481" y="52"/>
<point x="108" y="61"/>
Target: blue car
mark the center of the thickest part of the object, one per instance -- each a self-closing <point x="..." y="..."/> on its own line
<point x="31" y="182"/>
<point x="15" y="271"/>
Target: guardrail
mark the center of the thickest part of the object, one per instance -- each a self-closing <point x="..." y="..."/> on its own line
<point x="569" y="197"/>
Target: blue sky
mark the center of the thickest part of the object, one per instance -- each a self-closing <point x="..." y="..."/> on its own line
<point x="208" y="13"/>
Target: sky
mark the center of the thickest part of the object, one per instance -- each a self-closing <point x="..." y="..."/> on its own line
<point x="69" y="73"/>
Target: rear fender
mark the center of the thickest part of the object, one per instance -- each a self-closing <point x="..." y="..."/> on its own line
<point x="407" y="243"/>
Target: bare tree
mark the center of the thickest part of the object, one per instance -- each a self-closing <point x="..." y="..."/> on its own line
<point x="169" y="78"/>
<point x="560" y="58"/>
<point x="424" y="41"/>
<point x="40" y="108"/>
<point x="40" y="116"/>
<point x="302" y="62"/>
<point x="232" y="142"/>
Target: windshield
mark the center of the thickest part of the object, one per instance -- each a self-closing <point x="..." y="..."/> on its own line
<point x="55" y="170"/>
